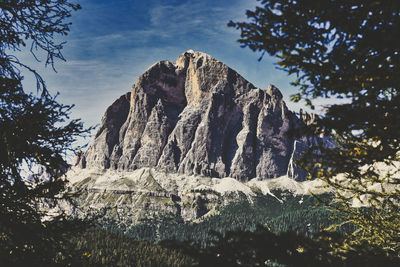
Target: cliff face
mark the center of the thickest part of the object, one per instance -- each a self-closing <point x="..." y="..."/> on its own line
<point x="189" y="138"/>
<point x="197" y="116"/>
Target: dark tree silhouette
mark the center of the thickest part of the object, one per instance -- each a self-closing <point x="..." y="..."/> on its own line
<point x="35" y="130"/>
<point x="262" y="247"/>
<point x="345" y="49"/>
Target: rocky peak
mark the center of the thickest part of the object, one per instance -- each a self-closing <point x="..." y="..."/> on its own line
<point x="307" y="118"/>
<point x="196" y="116"/>
<point x="274" y="92"/>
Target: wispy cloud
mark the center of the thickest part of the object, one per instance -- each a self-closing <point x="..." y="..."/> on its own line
<point x="189" y="19"/>
<point x="113" y="42"/>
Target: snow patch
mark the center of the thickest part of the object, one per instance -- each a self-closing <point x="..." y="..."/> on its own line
<point x="286" y="183"/>
<point x="180" y="184"/>
<point x="226" y="185"/>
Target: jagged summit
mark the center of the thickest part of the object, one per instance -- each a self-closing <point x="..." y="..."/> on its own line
<point x="189" y="137"/>
<point x="196" y="116"/>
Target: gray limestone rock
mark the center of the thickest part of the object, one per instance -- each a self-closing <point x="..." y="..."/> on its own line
<point x="105" y="149"/>
<point x="196" y="116"/>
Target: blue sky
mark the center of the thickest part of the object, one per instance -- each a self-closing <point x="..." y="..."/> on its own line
<point x="112" y="42"/>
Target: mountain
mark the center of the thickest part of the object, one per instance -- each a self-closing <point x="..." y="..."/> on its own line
<point x="190" y="137"/>
<point x="196" y="116"/>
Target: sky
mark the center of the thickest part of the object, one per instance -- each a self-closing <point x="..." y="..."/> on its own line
<point x="111" y="43"/>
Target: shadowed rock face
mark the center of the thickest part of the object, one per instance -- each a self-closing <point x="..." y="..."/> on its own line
<point x="196" y="116"/>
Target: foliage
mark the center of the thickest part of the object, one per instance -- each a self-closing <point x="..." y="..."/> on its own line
<point x="262" y="247"/>
<point x="35" y="130"/>
<point x="34" y="21"/>
<point x="259" y="247"/>
<point x="104" y="248"/>
<point x="344" y="49"/>
<point x="296" y="213"/>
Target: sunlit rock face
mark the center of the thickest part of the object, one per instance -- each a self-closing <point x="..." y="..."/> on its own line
<point x="189" y="138"/>
<point x="199" y="117"/>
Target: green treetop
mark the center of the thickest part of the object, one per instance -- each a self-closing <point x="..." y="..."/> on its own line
<point x="344" y="49"/>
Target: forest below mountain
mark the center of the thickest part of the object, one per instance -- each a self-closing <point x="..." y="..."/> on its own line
<point x="238" y="230"/>
<point x="155" y="242"/>
<point x="301" y="213"/>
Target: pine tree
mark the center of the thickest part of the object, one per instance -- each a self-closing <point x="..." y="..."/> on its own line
<point x="35" y="130"/>
<point x="344" y="49"/>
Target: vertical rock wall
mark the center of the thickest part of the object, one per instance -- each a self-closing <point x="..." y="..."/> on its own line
<point x="196" y="116"/>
